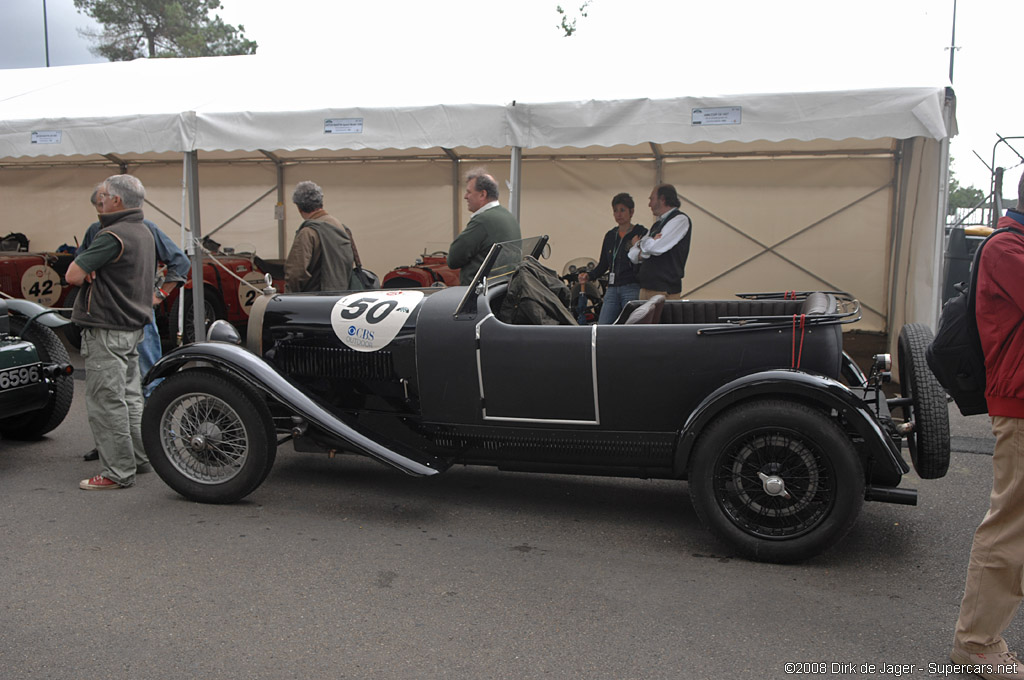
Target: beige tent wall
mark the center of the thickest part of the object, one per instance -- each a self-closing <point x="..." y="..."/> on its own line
<point x="762" y="220"/>
<point x="789" y="224"/>
<point x="570" y="201"/>
<point x="49" y="205"/>
<point x="395" y="209"/>
<point x="916" y="239"/>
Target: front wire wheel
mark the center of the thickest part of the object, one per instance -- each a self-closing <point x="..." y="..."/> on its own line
<point x="204" y="438"/>
<point x="778" y="481"/>
<point x="209" y="438"/>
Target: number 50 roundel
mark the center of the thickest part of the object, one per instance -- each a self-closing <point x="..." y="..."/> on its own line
<point x="369" y="320"/>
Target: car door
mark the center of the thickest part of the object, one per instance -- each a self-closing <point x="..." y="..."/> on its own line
<point x="537" y="374"/>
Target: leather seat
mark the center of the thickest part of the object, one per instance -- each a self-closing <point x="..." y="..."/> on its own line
<point x="648" y="312"/>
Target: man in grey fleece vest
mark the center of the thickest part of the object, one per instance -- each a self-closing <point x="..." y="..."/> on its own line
<point x="117" y="274"/>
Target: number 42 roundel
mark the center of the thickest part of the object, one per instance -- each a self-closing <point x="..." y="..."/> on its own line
<point x="368" y="320"/>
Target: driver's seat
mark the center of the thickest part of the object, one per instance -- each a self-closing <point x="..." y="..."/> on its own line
<point x="648" y="312"/>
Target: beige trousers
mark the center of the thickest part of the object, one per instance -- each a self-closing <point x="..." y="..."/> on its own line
<point x="993" y="590"/>
<point x="647" y="294"/>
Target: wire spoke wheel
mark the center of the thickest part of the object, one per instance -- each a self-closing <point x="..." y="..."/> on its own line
<point x="204" y="438"/>
<point x="798" y="493"/>
<point x="776" y="480"/>
<point x="210" y="438"/>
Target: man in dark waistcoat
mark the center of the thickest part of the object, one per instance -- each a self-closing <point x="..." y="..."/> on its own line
<point x="662" y="253"/>
<point x="490" y="224"/>
<point x="323" y="252"/>
<point x="117" y="273"/>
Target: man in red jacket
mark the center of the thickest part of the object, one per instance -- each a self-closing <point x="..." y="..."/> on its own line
<point x="993" y="591"/>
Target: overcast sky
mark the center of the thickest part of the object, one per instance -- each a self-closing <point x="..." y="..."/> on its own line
<point x="701" y="47"/>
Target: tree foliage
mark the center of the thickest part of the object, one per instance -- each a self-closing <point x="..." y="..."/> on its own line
<point x="161" y="28"/>
<point x="962" y="197"/>
<point x="568" y="24"/>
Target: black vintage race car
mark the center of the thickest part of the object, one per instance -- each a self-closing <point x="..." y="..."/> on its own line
<point x="779" y="434"/>
<point x="36" y="386"/>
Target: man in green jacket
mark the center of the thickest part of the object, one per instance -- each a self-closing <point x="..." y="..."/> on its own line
<point x="490" y="224"/>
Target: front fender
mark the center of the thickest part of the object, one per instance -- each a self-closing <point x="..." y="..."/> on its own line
<point x="36" y="312"/>
<point x="887" y="464"/>
<point x="246" y="366"/>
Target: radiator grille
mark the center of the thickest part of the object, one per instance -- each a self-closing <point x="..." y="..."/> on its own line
<point x="334" y="362"/>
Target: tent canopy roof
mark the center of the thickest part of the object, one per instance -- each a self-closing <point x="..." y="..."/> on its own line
<point x="238" y="104"/>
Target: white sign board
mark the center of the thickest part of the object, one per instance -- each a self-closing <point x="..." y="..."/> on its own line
<point x="721" y="115"/>
<point x="343" y="126"/>
<point x="46" y="136"/>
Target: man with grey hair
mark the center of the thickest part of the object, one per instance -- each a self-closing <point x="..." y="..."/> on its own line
<point x="490" y="224"/>
<point x="323" y="251"/>
<point x="117" y="274"/>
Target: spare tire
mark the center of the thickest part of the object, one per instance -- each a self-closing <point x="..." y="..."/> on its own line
<point x="925" y="404"/>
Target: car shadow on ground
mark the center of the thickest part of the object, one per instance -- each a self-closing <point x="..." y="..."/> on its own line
<point x="643" y="511"/>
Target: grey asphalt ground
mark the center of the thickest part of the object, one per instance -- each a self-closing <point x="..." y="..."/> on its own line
<point x="344" y="569"/>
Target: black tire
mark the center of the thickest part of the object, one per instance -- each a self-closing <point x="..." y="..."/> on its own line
<point x="210" y="438"/>
<point x="62" y="390"/>
<point x="214" y="311"/>
<point x="72" y="332"/>
<point x="751" y="456"/>
<point x="928" y="439"/>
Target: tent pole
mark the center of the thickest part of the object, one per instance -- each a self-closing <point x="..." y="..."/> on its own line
<point x="516" y="175"/>
<point x="279" y="207"/>
<point x="455" y="190"/>
<point x="192" y="189"/>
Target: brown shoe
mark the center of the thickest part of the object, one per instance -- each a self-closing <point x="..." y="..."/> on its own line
<point x="99" y="482"/>
<point x="990" y="665"/>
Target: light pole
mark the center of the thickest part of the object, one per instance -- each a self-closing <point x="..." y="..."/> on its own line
<point x="46" y="36"/>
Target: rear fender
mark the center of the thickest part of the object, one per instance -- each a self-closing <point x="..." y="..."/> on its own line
<point x="244" y="365"/>
<point x="881" y="456"/>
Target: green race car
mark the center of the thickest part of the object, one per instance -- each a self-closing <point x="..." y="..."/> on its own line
<point x="36" y="386"/>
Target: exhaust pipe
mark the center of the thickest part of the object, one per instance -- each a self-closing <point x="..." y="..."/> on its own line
<point x="885" y="494"/>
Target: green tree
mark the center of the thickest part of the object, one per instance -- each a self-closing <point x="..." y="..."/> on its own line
<point x="961" y="197"/>
<point x="568" y="24"/>
<point x="161" y="28"/>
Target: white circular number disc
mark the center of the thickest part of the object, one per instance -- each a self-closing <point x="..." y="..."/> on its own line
<point x="369" y="320"/>
<point x="40" y="284"/>
<point x="247" y="295"/>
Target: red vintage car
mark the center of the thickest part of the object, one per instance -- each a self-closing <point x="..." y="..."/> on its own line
<point x="430" y="271"/>
<point x="231" y="282"/>
<point x="38" y="277"/>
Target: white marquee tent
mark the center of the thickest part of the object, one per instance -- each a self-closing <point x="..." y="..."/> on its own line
<point x="790" y="191"/>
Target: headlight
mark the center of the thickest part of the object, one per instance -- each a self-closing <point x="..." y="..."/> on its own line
<point x="223" y="331"/>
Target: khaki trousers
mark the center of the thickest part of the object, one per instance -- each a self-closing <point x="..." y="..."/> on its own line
<point x="647" y="294"/>
<point x="993" y="591"/>
<point x="114" y="400"/>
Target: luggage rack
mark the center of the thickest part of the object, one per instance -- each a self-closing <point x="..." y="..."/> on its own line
<point x="848" y="312"/>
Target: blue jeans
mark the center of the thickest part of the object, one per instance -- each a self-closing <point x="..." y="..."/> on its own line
<point x="149" y="352"/>
<point x="615" y="299"/>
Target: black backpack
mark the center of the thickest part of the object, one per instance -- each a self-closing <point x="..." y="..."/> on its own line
<point x="955" y="355"/>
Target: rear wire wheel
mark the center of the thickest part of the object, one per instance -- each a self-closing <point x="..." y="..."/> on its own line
<point x="778" y="481"/>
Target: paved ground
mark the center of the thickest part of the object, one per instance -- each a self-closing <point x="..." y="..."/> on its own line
<point x="344" y="569"/>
